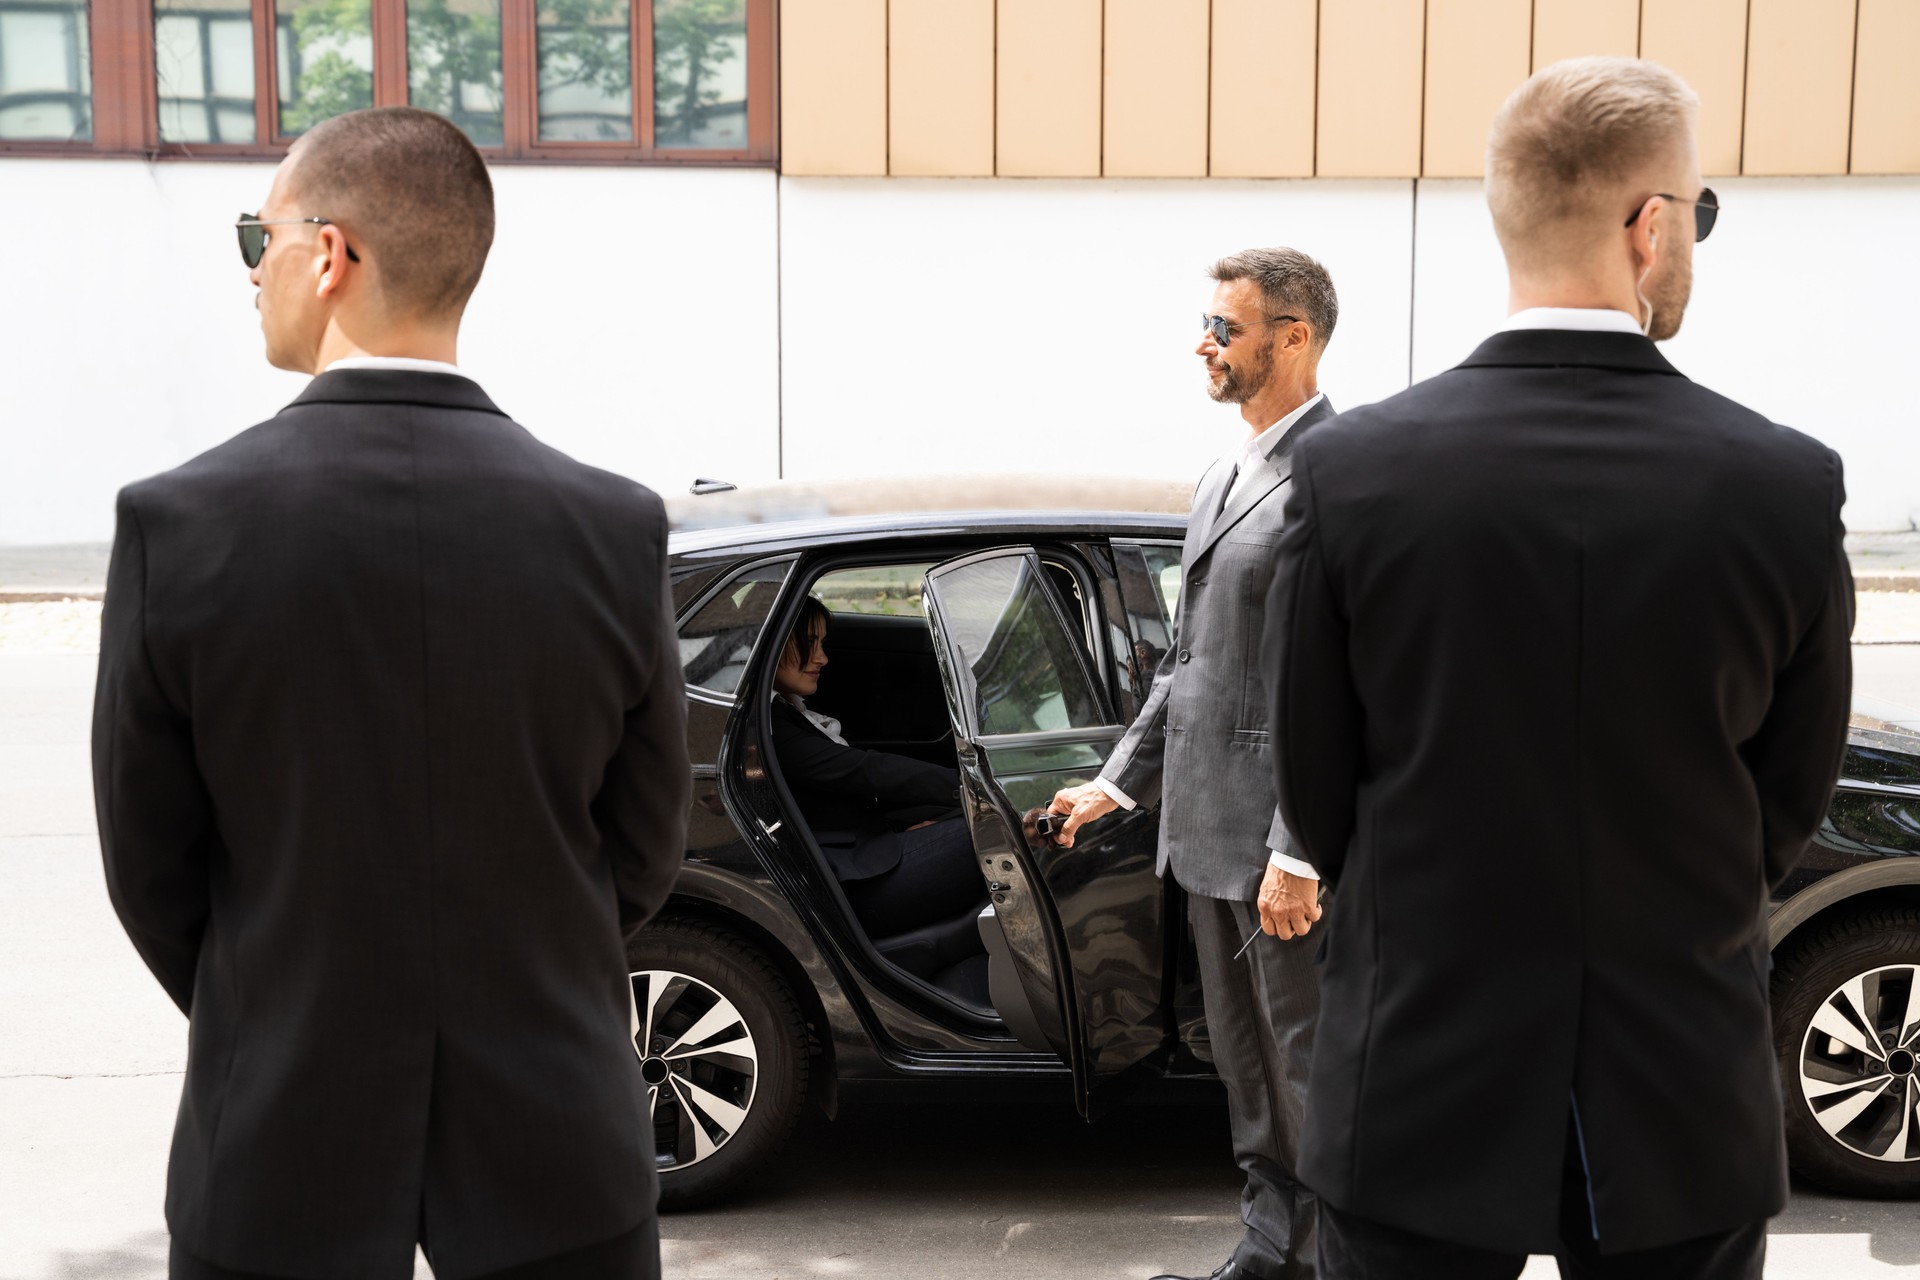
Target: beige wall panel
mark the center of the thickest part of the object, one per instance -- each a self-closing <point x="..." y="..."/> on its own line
<point x="940" y="88"/>
<point x="1886" y="88"/>
<point x="1049" y="89"/>
<point x="1799" y="86"/>
<point x="1478" y="52"/>
<point x="1705" y="42"/>
<point x="1367" y="123"/>
<point x="1263" y="90"/>
<point x="1156" y="89"/>
<point x="833" y="87"/>
<point x="1582" y="28"/>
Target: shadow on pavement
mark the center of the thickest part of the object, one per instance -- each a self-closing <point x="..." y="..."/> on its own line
<point x="142" y="1257"/>
<point x="920" y="1140"/>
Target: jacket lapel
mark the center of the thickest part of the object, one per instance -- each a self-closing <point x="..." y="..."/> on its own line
<point x="1205" y="513"/>
<point x="1278" y="471"/>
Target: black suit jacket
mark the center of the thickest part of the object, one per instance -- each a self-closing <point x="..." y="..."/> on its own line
<point x="389" y="748"/>
<point x="856" y="802"/>
<point x="1558" y="647"/>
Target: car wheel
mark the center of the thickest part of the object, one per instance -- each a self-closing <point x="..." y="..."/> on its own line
<point x="1847" y="1032"/>
<point x="723" y="1049"/>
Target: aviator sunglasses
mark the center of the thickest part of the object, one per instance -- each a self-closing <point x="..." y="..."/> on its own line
<point x="254" y="236"/>
<point x="1705" y="211"/>
<point x="1223" y="331"/>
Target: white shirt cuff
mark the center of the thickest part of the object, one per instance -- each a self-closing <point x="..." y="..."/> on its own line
<point x="1120" y="797"/>
<point x="1292" y="865"/>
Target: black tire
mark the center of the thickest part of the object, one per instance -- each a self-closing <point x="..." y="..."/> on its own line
<point x="1868" y="1154"/>
<point x="710" y="963"/>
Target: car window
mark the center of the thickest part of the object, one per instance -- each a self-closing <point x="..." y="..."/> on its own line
<point x="717" y="640"/>
<point x="1163" y="563"/>
<point x="1145" y="570"/>
<point x="1020" y="664"/>
<point x="897" y="590"/>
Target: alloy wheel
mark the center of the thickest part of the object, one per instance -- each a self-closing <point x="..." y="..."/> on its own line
<point x="698" y="1058"/>
<point x="1860" y="1064"/>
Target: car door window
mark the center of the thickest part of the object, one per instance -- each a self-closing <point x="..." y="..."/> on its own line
<point x="1020" y="663"/>
<point x="718" y="638"/>
<point x="1149" y="574"/>
<point x="1163" y="564"/>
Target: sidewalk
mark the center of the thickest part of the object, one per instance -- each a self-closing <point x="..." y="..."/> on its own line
<point x="75" y="571"/>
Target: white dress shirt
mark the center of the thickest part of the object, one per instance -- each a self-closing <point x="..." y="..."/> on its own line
<point x="825" y="724"/>
<point x="407" y="363"/>
<point x="1585" y="319"/>
<point x="1247" y="459"/>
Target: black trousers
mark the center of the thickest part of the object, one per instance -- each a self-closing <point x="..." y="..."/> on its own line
<point x="936" y="879"/>
<point x="1353" y="1248"/>
<point x="633" y="1256"/>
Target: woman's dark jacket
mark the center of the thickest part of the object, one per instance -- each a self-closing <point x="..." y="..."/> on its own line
<point x="857" y="802"/>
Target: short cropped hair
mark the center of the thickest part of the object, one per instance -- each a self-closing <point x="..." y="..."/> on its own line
<point x="414" y="190"/>
<point x="1292" y="284"/>
<point x="1568" y="141"/>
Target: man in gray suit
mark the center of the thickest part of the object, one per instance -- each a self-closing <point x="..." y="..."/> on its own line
<point x="1200" y="749"/>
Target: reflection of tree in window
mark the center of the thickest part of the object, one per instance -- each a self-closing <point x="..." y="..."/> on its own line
<point x="45" y="79"/>
<point x="453" y="64"/>
<point x="1026" y="677"/>
<point x="716" y="642"/>
<point x="700" y="74"/>
<point x="325" y="60"/>
<point x="586" y="71"/>
<point x="203" y="65"/>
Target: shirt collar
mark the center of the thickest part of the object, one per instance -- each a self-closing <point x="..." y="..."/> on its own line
<point x="1582" y="319"/>
<point x="407" y="363"/>
<point x="1263" y="443"/>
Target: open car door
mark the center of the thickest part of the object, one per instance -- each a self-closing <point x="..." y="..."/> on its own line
<point x="1076" y="937"/>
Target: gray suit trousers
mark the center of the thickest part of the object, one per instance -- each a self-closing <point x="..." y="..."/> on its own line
<point x="1261" y="1011"/>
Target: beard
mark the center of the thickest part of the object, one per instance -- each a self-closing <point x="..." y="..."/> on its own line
<point x="1244" y="381"/>
<point x="1669" y="295"/>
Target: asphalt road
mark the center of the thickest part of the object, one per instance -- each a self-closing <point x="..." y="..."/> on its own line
<point x="953" y="1182"/>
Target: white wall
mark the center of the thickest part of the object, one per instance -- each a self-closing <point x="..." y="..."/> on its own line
<point x="1802" y="308"/>
<point x="673" y="322"/>
<point x="626" y="316"/>
<point x="954" y="325"/>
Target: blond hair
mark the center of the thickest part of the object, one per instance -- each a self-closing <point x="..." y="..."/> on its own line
<point x="1569" y="142"/>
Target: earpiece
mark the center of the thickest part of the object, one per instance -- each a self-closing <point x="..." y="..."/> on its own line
<point x="327" y="278"/>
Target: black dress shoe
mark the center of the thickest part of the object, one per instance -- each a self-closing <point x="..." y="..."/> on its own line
<point x="1229" y="1270"/>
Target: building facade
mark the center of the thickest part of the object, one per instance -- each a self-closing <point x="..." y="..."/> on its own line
<point x="745" y="239"/>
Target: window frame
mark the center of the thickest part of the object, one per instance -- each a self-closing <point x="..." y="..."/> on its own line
<point x="126" y="114"/>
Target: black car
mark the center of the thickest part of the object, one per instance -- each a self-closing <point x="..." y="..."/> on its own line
<point x="1014" y="636"/>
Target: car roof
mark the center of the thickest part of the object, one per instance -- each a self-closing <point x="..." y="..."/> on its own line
<point x="803" y="512"/>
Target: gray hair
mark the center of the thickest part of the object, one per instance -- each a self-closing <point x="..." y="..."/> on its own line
<point x="1292" y="284"/>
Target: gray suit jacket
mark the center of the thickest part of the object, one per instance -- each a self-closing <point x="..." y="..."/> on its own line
<point x="1200" y="747"/>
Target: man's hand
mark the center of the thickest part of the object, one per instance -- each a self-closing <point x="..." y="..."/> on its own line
<point x="1289" y="904"/>
<point x="1081" y="805"/>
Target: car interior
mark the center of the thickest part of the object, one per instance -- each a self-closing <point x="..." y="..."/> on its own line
<point x="883" y="684"/>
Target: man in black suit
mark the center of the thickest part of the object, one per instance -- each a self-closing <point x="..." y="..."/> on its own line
<point x="1558" y="652"/>
<point x="389" y="750"/>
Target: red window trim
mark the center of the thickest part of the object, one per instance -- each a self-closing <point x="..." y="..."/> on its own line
<point x="126" y="119"/>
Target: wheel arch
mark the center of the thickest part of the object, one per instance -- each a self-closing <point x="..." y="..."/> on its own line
<point x="1894" y="882"/>
<point x="742" y="911"/>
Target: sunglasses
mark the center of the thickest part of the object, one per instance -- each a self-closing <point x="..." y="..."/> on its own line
<point x="254" y="236"/>
<point x="1223" y="331"/>
<point x="1706" y="210"/>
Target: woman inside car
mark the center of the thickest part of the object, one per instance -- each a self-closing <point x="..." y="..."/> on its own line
<point x="889" y="825"/>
